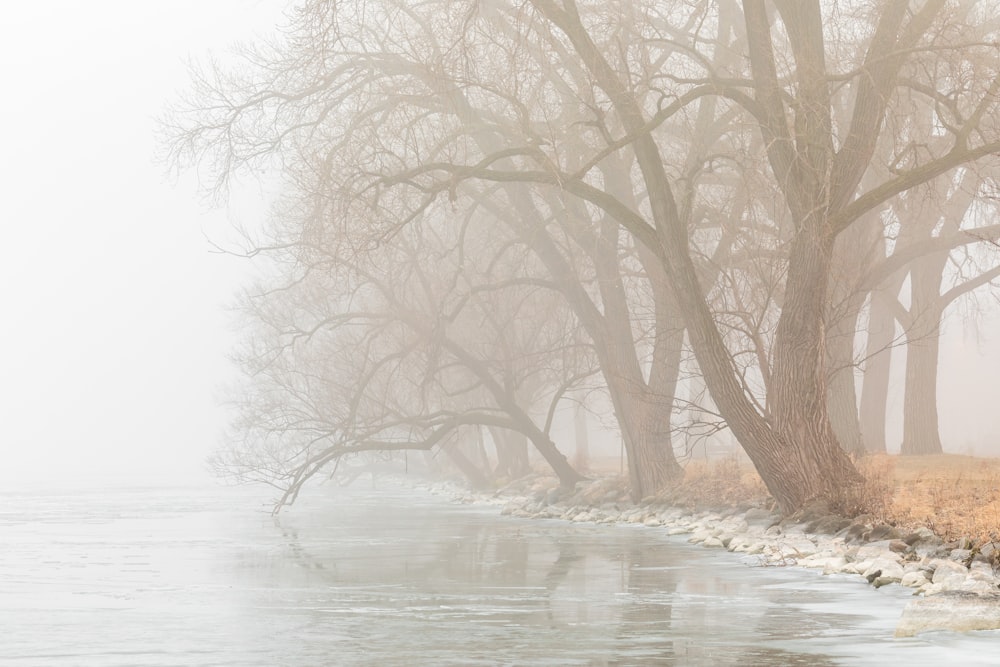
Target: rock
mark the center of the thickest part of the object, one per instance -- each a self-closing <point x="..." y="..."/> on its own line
<point x="760" y="519"/>
<point x="914" y="579"/>
<point x="834" y="565"/>
<point x="898" y="546"/>
<point x="873" y="550"/>
<point x="961" y="554"/>
<point x="881" y="532"/>
<point x="884" y="571"/>
<point x="979" y="587"/>
<point x="713" y="542"/>
<point x="700" y="535"/>
<point x="830" y="524"/>
<point x="982" y="572"/>
<point x="858" y="566"/>
<point x="854" y="532"/>
<point x="948" y="575"/>
<point x="987" y="554"/>
<point x="796" y="548"/>
<point x="920" y="535"/>
<point x="957" y="612"/>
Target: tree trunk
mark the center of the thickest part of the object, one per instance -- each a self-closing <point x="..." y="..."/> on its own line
<point x="794" y="451"/>
<point x="878" y="363"/>
<point x="799" y="391"/>
<point x="568" y="476"/>
<point x="842" y="398"/>
<point x="920" y="417"/>
<point x="512" y="453"/>
<point x="476" y="477"/>
<point x="581" y="456"/>
<point x="645" y="420"/>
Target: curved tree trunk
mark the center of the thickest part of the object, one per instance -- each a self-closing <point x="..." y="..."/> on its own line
<point x="793" y="448"/>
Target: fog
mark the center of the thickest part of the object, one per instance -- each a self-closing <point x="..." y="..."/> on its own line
<point x="499" y="231"/>
<point x="114" y="334"/>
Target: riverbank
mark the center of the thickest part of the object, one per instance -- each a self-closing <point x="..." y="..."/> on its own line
<point x="958" y="574"/>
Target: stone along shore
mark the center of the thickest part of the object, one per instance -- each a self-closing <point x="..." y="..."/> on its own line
<point x="958" y="585"/>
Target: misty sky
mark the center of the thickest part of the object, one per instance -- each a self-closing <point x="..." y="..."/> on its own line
<point x="114" y="337"/>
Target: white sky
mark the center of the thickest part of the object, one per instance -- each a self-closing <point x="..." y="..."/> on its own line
<point x="113" y="337"/>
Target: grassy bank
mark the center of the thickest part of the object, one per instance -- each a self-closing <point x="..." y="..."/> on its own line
<point x="955" y="496"/>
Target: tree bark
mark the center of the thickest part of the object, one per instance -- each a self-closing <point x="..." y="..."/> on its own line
<point x="842" y="397"/>
<point x="921" y="434"/>
<point x="581" y="455"/>
<point x="512" y="453"/>
<point x="477" y="478"/>
<point x="795" y="452"/>
<point x="878" y="363"/>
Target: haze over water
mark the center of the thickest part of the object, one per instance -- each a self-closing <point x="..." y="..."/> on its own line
<point x="205" y="576"/>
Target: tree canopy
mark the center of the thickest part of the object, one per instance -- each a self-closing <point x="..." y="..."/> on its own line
<point x="489" y="203"/>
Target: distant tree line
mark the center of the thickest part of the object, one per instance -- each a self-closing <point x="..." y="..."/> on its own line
<point x="491" y="208"/>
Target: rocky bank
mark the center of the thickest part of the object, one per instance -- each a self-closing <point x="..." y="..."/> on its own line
<point x="958" y="584"/>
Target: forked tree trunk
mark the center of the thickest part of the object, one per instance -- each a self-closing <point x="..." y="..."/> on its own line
<point x="794" y="451"/>
<point x="799" y="391"/>
<point x="645" y="417"/>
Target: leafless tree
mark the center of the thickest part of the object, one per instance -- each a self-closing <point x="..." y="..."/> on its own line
<point x="396" y="107"/>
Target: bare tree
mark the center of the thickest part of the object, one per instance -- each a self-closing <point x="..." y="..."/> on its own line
<point x="361" y="105"/>
<point x="380" y="351"/>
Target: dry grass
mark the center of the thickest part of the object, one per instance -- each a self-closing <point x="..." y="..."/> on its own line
<point x="875" y="495"/>
<point x="955" y="496"/>
<point x="724" y="482"/>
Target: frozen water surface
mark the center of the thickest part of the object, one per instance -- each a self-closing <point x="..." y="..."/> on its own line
<point x="394" y="577"/>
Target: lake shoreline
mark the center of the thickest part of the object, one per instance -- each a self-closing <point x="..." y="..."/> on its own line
<point x="955" y="583"/>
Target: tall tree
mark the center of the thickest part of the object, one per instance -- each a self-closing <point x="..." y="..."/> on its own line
<point x="360" y="105"/>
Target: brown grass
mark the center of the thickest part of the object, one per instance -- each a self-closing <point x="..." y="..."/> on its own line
<point x="720" y="483"/>
<point x="955" y="496"/>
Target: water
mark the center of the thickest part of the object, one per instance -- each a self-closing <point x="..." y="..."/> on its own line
<point x="394" y="577"/>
